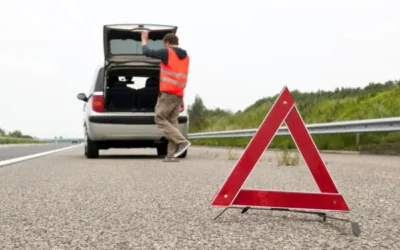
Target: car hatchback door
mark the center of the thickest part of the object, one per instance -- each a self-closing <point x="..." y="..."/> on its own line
<point x="122" y="42"/>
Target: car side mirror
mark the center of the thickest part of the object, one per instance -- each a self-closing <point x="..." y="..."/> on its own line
<point x="82" y="97"/>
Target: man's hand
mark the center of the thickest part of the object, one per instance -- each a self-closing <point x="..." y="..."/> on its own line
<point x="145" y="37"/>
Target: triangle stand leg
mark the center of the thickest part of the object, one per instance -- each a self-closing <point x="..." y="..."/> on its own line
<point x="354" y="225"/>
<point x="223" y="211"/>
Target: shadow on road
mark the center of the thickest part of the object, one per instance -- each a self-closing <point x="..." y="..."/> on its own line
<point x="286" y="221"/>
<point x="132" y="156"/>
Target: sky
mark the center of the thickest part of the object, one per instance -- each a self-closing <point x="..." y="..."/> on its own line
<point x="240" y="51"/>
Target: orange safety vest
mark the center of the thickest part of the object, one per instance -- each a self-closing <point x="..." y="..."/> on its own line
<point x="173" y="77"/>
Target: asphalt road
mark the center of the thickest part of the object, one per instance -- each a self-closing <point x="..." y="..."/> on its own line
<point x="13" y="151"/>
<point x="64" y="201"/>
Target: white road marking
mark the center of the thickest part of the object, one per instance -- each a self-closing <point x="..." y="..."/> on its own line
<point x="28" y="157"/>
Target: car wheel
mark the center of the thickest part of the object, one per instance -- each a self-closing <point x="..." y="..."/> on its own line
<point x="162" y="150"/>
<point x="91" y="148"/>
<point x="183" y="155"/>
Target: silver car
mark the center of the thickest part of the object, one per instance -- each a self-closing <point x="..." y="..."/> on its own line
<point x="119" y="108"/>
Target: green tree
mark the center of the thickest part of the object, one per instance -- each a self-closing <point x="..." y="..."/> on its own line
<point x="197" y="112"/>
<point x="197" y="108"/>
<point x="15" y="134"/>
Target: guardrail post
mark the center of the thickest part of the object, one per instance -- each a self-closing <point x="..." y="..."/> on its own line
<point x="357" y="139"/>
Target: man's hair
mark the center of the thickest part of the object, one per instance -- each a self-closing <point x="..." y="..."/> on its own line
<point x="171" y="38"/>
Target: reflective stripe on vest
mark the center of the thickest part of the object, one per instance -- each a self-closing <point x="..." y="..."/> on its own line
<point x="167" y="72"/>
<point x="183" y="85"/>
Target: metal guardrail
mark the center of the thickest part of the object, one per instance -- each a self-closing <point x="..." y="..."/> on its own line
<point x="391" y="124"/>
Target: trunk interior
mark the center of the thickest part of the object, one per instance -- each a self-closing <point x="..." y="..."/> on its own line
<point x="132" y="90"/>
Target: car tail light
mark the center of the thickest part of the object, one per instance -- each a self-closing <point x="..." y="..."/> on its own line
<point x="182" y="108"/>
<point x="97" y="103"/>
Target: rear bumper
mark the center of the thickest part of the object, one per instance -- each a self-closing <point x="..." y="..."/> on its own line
<point x="129" y="120"/>
<point x="135" y="128"/>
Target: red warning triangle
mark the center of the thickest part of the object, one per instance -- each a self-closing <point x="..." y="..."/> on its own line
<point x="232" y="194"/>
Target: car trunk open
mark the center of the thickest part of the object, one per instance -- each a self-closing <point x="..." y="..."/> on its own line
<point x="132" y="90"/>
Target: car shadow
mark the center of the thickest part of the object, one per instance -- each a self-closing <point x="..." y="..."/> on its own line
<point x="126" y="156"/>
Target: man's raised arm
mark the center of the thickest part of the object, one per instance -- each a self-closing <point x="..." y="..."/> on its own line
<point x="158" y="54"/>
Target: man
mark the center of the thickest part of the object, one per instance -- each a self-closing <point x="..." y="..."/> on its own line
<point x="173" y="77"/>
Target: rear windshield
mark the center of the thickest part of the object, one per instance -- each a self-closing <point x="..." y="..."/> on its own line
<point x="133" y="47"/>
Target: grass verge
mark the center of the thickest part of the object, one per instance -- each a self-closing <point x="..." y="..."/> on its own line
<point x="19" y="141"/>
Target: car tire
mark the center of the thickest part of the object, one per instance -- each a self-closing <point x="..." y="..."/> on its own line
<point x="183" y="155"/>
<point x="162" y="150"/>
<point x="91" y="148"/>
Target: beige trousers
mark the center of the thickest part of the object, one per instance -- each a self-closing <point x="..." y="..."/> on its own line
<point x="166" y="118"/>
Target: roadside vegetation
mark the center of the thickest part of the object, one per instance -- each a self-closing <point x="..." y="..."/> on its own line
<point x="15" y="137"/>
<point x="377" y="100"/>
